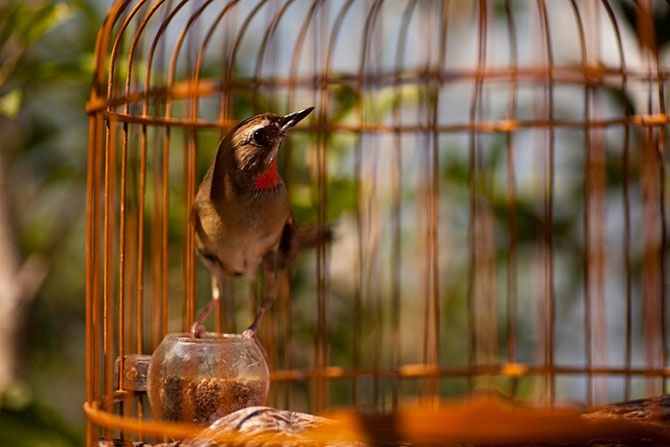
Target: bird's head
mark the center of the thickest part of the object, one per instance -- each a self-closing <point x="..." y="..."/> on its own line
<point x="252" y="148"/>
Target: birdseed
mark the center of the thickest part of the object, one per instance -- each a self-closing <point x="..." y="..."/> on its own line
<point x="204" y="400"/>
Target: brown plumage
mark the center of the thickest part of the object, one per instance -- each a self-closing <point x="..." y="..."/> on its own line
<point x="241" y="212"/>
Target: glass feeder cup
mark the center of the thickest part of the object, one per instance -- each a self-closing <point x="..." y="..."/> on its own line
<point x="202" y="379"/>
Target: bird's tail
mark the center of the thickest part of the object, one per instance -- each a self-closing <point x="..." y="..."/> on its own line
<point x="312" y="236"/>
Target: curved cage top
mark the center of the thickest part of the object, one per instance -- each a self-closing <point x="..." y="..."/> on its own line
<point x="269" y="54"/>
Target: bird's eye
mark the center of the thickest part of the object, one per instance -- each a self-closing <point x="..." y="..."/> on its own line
<point x="259" y="136"/>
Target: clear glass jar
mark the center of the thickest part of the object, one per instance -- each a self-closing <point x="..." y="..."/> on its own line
<point x="202" y="379"/>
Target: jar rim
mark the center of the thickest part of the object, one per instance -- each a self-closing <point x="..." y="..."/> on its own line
<point x="206" y="337"/>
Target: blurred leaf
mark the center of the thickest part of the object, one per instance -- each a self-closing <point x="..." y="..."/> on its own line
<point x="26" y="422"/>
<point x="621" y="98"/>
<point x="10" y="103"/>
<point x="28" y="21"/>
<point x="17" y="397"/>
<point x="344" y="98"/>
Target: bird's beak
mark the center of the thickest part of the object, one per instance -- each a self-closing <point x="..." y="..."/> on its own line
<point x="292" y="119"/>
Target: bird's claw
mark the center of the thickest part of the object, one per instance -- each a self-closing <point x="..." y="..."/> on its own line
<point x="249" y="333"/>
<point x="197" y="330"/>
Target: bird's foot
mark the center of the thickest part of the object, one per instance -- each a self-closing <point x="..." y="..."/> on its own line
<point x="249" y="333"/>
<point x="197" y="330"/>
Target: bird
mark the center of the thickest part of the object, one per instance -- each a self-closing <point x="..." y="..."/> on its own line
<point x="242" y="215"/>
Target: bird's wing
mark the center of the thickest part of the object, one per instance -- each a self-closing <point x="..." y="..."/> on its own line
<point x="295" y="238"/>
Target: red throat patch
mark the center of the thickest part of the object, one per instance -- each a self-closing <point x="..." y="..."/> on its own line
<point x="270" y="179"/>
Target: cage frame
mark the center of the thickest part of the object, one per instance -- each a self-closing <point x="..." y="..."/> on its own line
<point x="106" y="291"/>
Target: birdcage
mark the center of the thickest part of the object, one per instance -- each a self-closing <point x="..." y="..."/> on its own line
<point x="494" y="172"/>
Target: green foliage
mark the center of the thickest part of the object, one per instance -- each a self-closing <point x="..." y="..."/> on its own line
<point x="24" y="24"/>
<point x="10" y="103"/>
<point x="26" y="422"/>
<point x="45" y="75"/>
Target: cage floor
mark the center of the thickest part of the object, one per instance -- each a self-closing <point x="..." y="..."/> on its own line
<point x="485" y="420"/>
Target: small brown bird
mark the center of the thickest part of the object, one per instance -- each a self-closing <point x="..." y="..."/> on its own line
<point x="241" y="213"/>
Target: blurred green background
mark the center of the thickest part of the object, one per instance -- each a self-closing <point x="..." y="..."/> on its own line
<point x="46" y="50"/>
